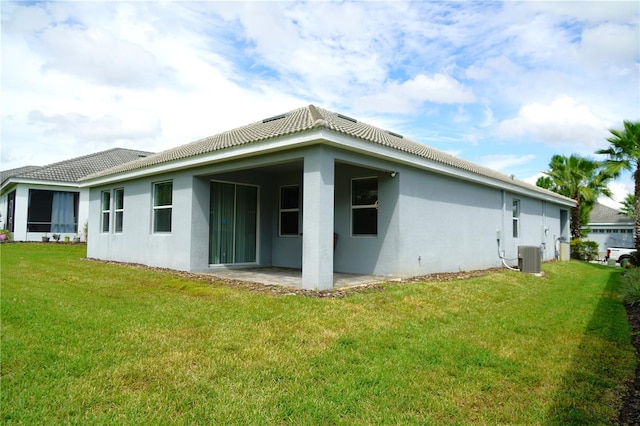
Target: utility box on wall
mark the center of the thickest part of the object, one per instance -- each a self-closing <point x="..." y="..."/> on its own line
<point x="530" y="259"/>
<point x="565" y="251"/>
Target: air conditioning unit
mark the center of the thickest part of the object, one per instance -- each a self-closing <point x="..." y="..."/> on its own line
<point x="530" y="259"/>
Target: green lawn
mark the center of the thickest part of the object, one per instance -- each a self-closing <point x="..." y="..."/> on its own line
<point x="85" y="342"/>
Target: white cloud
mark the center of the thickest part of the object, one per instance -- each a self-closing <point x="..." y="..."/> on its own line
<point x="561" y="121"/>
<point x="611" y="47"/>
<point x="505" y="162"/>
<point x="619" y="190"/>
<point x="590" y="11"/>
<point x="408" y="96"/>
<point x="444" y="73"/>
<point x="491" y="67"/>
<point x="533" y="179"/>
<point x="97" y="55"/>
<point x="107" y="128"/>
<point x="488" y="118"/>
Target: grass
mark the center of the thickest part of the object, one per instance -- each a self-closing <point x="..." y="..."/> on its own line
<point x="93" y="343"/>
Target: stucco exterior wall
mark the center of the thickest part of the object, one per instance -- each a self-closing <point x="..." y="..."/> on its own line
<point x="285" y="251"/>
<point x="137" y="243"/>
<point x="449" y="225"/>
<point x="427" y="222"/>
<point x="186" y="247"/>
<point x="365" y="254"/>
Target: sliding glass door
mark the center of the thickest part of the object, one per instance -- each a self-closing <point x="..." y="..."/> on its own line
<point x="233" y="223"/>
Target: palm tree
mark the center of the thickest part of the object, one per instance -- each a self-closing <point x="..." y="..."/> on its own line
<point x="628" y="206"/>
<point x="580" y="179"/>
<point x="624" y="154"/>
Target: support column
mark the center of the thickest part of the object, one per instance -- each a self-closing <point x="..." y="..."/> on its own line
<point x="317" y="222"/>
<point x="21" y="213"/>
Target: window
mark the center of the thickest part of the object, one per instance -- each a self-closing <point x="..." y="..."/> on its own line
<point x="516" y="218"/>
<point x="364" y="206"/>
<point x="52" y="211"/>
<point x="106" y="210"/>
<point x="118" y="209"/>
<point x="162" y="206"/>
<point x="289" y="210"/>
<point x="11" y="211"/>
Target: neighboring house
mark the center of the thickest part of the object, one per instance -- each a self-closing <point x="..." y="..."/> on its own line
<point x="35" y="201"/>
<point x="318" y="191"/>
<point x="609" y="228"/>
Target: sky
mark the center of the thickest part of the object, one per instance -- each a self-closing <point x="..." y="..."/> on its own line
<point x="503" y="84"/>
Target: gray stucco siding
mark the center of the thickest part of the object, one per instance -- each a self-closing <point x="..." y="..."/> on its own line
<point x="427" y="222"/>
<point x="365" y="254"/>
<point x="447" y="224"/>
<point x="286" y="250"/>
<point x="137" y="243"/>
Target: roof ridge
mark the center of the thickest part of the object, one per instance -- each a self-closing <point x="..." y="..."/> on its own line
<point x="316" y="117"/>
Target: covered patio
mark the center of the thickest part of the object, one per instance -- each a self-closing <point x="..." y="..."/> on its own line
<point x="289" y="277"/>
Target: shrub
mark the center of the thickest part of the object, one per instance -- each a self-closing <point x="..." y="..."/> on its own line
<point x="5" y="235"/>
<point x="631" y="286"/>
<point x="584" y="250"/>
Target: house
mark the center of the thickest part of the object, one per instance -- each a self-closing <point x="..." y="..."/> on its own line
<point x="318" y="191"/>
<point x="35" y="201"/>
<point x="609" y="228"/>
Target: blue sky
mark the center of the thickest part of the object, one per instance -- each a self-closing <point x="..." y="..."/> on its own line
<point x="506" y="85"/>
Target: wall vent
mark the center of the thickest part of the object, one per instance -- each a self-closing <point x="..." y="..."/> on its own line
<point x="530" y="259"/>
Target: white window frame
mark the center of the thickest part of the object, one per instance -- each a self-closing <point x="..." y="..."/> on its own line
<point x="105" y="211"/>
<point x="288" y="210"/>
<point x="118" y="211"/>
<point x="364" y="206"/>
<point x="516" y="218"/>
<point x="156" y="208"/>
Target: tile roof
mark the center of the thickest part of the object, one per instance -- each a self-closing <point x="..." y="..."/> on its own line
<point x="604" y="214"/>
<point x="76" y="168"/>
<point x="6" y="174"/>
<point x="307" y="119"/>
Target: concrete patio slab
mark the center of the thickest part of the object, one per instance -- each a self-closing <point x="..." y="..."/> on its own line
<point x="287" y="277"/>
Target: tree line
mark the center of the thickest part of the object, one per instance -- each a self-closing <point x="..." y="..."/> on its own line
<point x="584" y="179"/>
